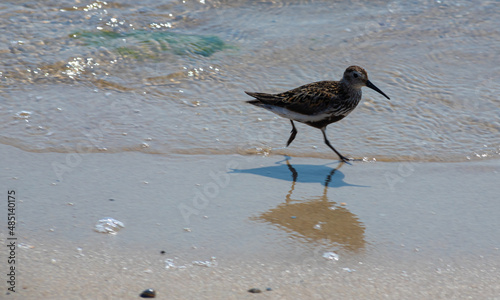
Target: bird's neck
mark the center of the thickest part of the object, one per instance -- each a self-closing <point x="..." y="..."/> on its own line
<point x="353" y="92"/>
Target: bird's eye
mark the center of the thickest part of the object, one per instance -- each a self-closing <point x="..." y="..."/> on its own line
<point x="355" y="75"/>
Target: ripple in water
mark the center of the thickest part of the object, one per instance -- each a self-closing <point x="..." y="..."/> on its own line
<point x="435" y="60"/>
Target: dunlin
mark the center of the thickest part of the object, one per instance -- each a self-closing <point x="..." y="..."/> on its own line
<point x="319" y="103"/>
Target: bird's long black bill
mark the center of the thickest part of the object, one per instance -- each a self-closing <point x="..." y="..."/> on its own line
<point x="373" y="87"/>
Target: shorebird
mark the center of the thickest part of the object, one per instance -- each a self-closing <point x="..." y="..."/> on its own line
<point x="319" y="103"/>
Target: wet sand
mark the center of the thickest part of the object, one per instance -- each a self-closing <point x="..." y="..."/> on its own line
<point x="228" y="223"/>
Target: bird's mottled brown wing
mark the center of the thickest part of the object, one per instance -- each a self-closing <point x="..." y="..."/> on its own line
<point x="307" y="99"/>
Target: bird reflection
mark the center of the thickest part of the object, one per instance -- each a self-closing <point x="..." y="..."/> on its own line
<point x="315" y="219"/>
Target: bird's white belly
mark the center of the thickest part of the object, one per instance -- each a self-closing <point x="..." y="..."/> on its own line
<point x="286" y="113"/>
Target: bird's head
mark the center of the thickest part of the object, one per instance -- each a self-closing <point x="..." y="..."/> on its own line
<point x="356" y="77"/>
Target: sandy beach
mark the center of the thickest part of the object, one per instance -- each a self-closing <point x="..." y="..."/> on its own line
<point x="131" y="160"/>
<point x="230" y="223"/>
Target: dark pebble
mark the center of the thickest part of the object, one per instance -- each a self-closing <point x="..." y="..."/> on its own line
<point x="163" y="252"/>
<point x="254" y="290"/>
<point x="269" y="289"/>
<point x="149" y="293"/>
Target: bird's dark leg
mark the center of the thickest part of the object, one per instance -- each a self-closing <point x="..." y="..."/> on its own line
<point x="343" y="158"/>
<point x="292" y="136"/>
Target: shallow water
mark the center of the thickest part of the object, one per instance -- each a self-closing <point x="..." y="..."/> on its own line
<point x="169" y="77"/>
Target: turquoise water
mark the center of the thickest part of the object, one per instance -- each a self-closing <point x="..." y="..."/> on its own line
<point x="169" y="77"/>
